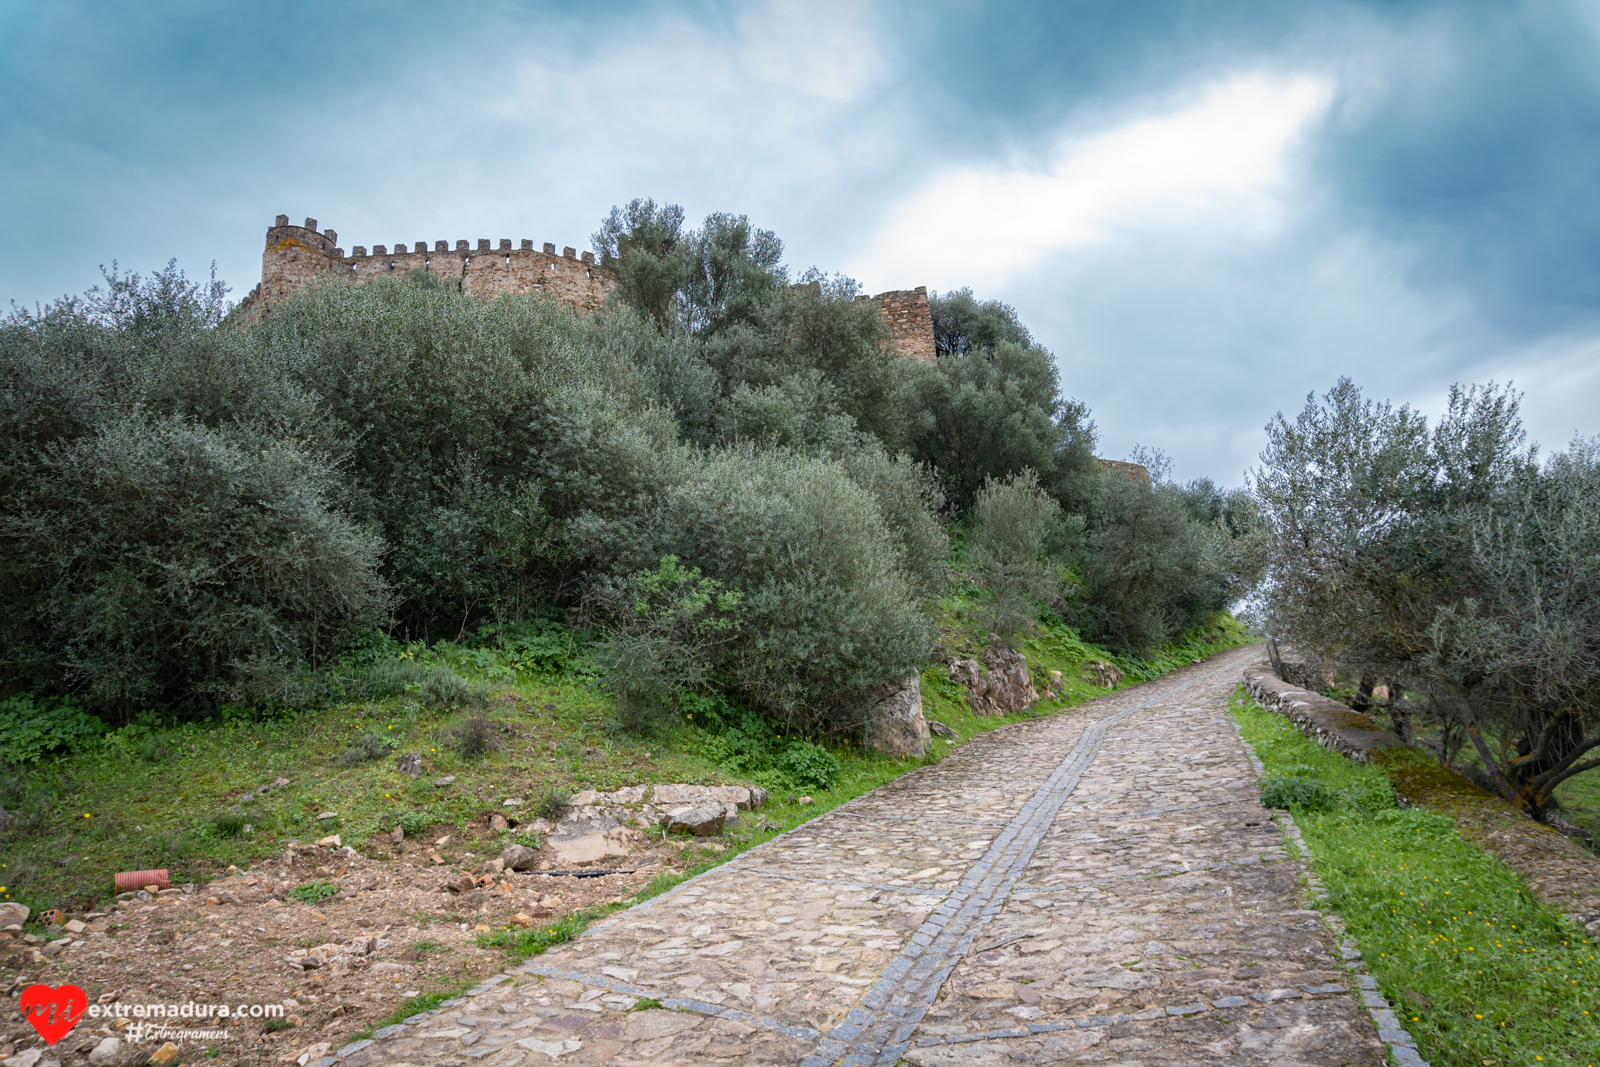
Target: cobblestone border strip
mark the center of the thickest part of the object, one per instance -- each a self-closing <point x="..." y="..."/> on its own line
<point x="880" y="1028"/>
<point x="1391" y="1031"/>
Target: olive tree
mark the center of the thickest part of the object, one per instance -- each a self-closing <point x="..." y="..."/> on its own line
<point x="1448" y="562"/>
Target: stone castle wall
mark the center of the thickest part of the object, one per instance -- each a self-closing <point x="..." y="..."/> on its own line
<point x="296" y="256"/>
<point x="910" y="321"/>
<point x="1136" y="471"/>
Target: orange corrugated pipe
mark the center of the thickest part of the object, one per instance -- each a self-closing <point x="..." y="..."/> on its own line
<point x="128" y="881"/>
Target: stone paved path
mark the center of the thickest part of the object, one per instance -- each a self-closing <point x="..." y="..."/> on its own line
<point x="1101" y="887"/>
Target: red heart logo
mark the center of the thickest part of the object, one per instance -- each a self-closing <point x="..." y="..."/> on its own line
<point x="53" y="1012"/>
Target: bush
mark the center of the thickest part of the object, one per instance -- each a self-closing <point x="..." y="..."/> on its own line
<point x="414" y="822"/>
<point x="443" y="686"/>
<point x="749" y="748"/>
<point x="30" y="729"/>
<point x="824" y="610"/>
<point x="314" y="892"/>
<point x="475" y="737"/>
<point x="1151" y="572"/>
<point x="538" y="645"/>
<point x="1018" y="536"/>
<point x="392" y="677"/>
<point x="160" y="561"/>
<point x="371" y="745"/>
<point x="227" y="825"/>
<point x="669" y="628"/>
<point x="553" y="805"/>
<point x="808" y="766"/>
<point x="1295" y="792"/>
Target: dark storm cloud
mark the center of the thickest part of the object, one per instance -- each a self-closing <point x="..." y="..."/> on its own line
<point x="1435" y="221"/>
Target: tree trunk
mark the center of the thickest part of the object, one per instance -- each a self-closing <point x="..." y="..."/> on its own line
<point x="1399" y="714"/>
<point x="1363" y="701"/>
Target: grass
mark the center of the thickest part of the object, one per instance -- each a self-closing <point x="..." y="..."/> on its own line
<point x="151" y="796"/>
<point x="1579" y="797"/>
<point x="1481" y="972"/>
<point x="524" y="943"/>
<point x="414" y="1006"/>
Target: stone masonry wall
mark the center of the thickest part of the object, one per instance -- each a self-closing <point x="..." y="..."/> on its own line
<point x="1137" y="471"/>
<point x="910" y="321"/>
<point x="295" y="256"/>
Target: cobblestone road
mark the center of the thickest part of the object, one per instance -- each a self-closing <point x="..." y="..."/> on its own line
<point x="1102" y="887"/>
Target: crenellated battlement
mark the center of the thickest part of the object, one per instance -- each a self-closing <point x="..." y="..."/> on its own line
<point x="297" y="256"/>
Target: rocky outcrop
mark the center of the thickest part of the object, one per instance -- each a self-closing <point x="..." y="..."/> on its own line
<point x="1000" y="684"/>
<point x="895" y="724"/>
<point x="1099" y="672"/>
<point x="585" y="835"/>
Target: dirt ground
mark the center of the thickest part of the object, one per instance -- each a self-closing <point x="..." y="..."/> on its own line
<point x="393" y="930"/>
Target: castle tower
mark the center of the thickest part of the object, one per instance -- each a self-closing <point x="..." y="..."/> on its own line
<point x="294" y="257"/>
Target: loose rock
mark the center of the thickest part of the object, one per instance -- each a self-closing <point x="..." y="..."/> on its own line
<point x="106" y="1052"/>
<point x="702" y="820"/>
<point x="519" y="858"/>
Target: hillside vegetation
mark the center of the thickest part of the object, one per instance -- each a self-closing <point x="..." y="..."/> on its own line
<point x="723" y="504"/>
<point x="197" y="514"/>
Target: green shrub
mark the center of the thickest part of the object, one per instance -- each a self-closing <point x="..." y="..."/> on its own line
<point x="825" y="611"/>
<point x="808" y="766"/>
<point x="370" y="745"/>
<point x="1151" y="572"/>
<point x="414" y="822"/>
<point x="227" y="825"/>
<point x="1294" y="792"/>
<point x="443" y="686"/>
<point x="475" y="736"/>
<point x="162" y="561"/>
<point x="748" y="748"/>
<point x="30" y="729"/>
<point x="1018" y="536"/>
<point x="553" y="805"/>
<point x="538" y="645"/>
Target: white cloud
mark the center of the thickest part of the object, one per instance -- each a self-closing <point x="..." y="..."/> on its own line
<point x="821" y="48"/>
<point x="1560" y="379"/>
<point x="1220" y="158"/>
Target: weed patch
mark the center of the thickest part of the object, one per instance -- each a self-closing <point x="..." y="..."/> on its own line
<point x="313" y="892"/>
<point x="522" y="944"/>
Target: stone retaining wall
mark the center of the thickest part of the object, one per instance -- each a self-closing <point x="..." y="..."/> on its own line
<point x="1331" y="723"/>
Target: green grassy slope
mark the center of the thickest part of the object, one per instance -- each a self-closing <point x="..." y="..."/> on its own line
<point x="177" y="796"/>
<point x="1480" y="971"/>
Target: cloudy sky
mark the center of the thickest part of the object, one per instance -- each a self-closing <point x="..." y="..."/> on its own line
<point x="1205" y="210"/>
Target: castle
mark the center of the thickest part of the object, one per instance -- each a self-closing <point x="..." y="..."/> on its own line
<point x="296" y="256"/>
